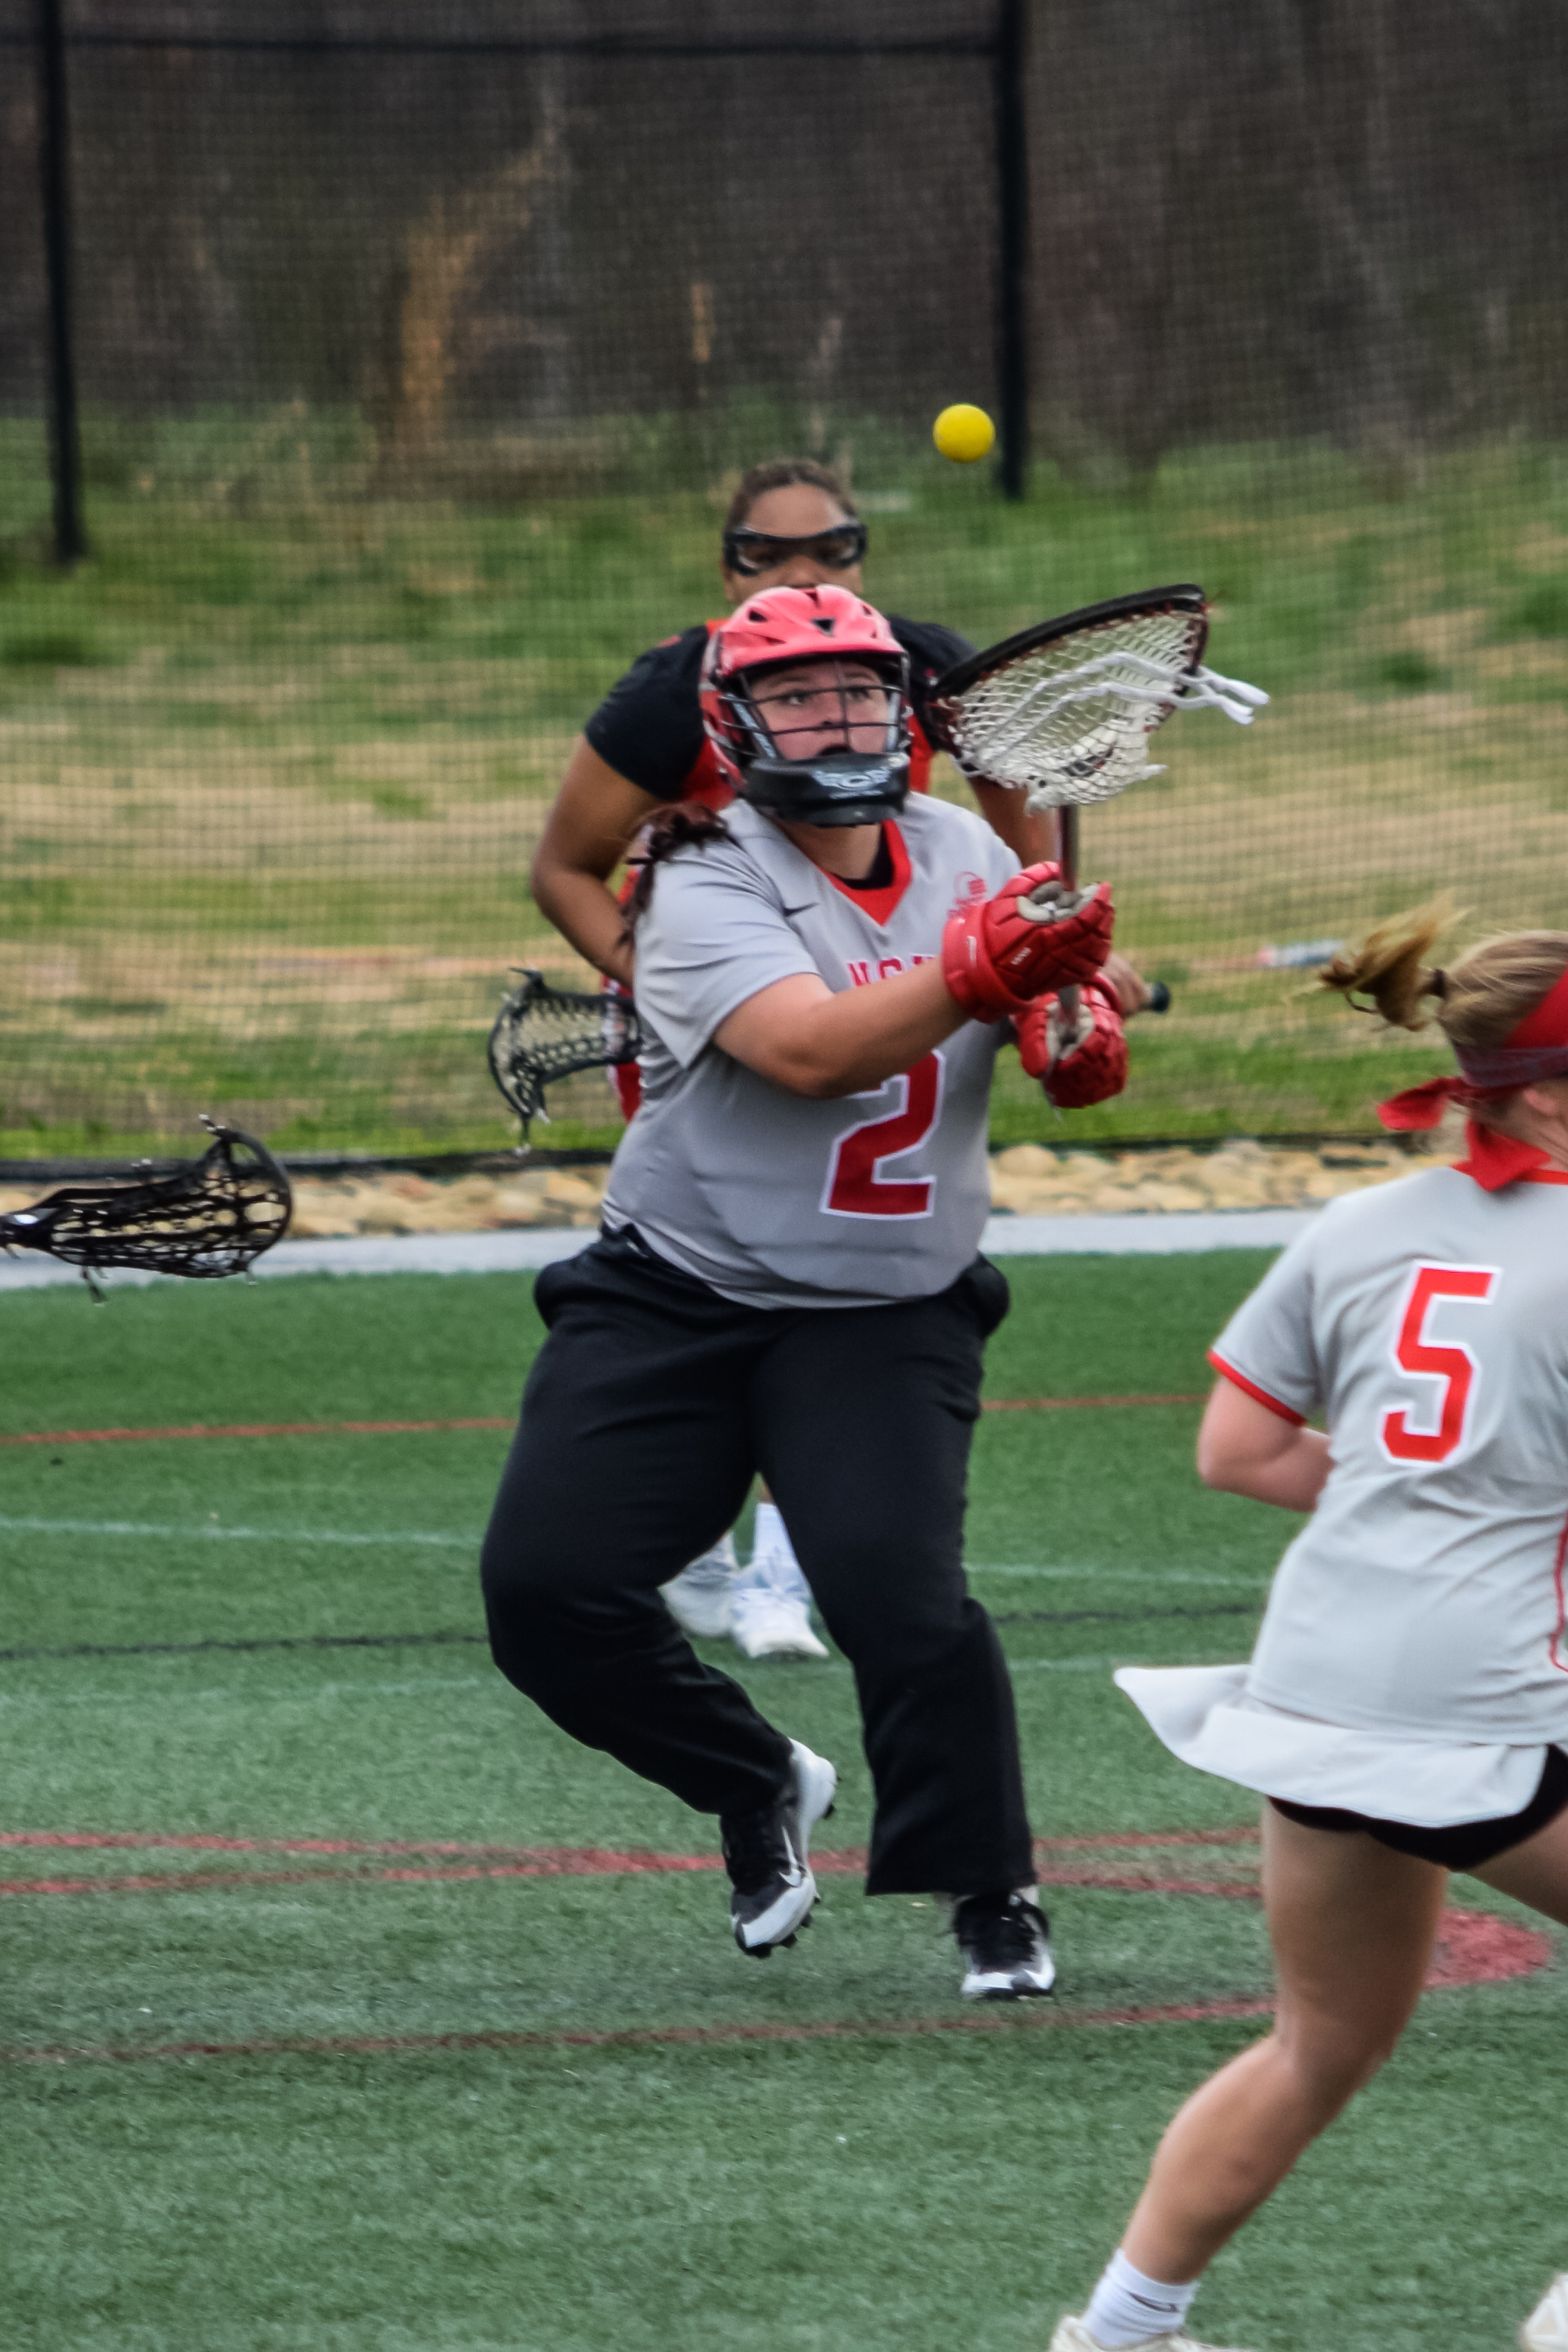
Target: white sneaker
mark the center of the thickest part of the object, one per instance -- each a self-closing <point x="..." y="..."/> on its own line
<point x="764" y="1624"/>
<point x="699" y="1599"/>
<point x="1073" y="2335"/>
<point x="1546" y="2329"/>
<point x="772" y="1601"/>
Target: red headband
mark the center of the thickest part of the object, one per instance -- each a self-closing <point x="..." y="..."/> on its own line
<point x="1535" y="1048"/>
<point x="1547" y="1025"/>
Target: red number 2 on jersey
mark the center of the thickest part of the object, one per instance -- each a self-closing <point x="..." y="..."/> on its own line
<point x="853" y="1188"/>
<point x="1453" y="1363"/>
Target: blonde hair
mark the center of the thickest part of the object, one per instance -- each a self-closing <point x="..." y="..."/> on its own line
<point x="1476" y="1002"/>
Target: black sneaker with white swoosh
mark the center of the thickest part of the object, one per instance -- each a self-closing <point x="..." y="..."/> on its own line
<point x="1006" y="1942"/>
<point x="766" y="1854"/>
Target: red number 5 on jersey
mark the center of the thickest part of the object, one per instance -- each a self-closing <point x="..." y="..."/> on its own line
<point x="853" y="1188"/>
<point x="1452" y="1363"/>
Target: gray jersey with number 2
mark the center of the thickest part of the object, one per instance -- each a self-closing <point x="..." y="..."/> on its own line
<point x="772" y="1198"/>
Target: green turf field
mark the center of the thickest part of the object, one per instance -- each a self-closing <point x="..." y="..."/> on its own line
<point x="271" y="2088"/>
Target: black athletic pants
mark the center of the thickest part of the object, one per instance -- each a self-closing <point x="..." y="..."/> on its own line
<point x="649" y="1408"/>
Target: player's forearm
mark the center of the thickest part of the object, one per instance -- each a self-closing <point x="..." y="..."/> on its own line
<point x="585" y="912"/>
<point x="815" y="1043"/>
<point x="1246" y="1448"/>
<point x="1293" y="1478"/>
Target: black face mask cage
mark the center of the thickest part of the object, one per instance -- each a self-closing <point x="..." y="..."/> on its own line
<point x="765" y="738"/>
<point x="749" y="553"/>
<point x="832" y="786"/>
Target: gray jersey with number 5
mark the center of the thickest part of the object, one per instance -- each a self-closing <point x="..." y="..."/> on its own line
<point x="1429" y="1322"/>
<point x="774" y="1199"/>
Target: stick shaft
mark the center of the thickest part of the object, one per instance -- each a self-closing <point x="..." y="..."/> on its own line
<point x="1067" y="859"/>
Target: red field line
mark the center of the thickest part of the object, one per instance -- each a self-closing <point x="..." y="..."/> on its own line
<point x="585" y="1859"/>
<point x="383" y="2045"/>
<point x="228" y="1882"/>
<point x="1473" y="1948"/>
<point x="480" y="1421"/>
<point x="254" y="1429"/>
<point x="460" y="1860"/>
<point x="851" y="1859"/>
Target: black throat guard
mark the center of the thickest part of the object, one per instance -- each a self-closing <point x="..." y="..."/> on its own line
<point x="835" y="788"/>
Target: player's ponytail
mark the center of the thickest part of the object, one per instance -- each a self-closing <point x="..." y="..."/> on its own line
<point x="1392" y="965"/>
<point x="689" y="824"/>
<point x="1478" y="1002"/>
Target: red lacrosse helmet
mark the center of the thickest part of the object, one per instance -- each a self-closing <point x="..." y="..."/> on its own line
<point x="826" y="775"/>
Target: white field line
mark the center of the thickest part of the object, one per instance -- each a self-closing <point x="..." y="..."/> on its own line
<point x="1212" y="1581"/>
<point x="153" y="1531"/>
<point x="238" y="1701"/>
<point x="212" y="1534"/>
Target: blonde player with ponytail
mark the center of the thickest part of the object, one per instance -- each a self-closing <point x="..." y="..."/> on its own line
<point x="1405" y="1713"/>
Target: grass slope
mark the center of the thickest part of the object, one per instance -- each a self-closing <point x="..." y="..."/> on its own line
<point x="276" y="757"/>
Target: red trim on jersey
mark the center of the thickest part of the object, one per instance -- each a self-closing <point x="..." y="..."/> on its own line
<point x="879" y="904"/>
<point x="1258" y="1395"/>
<point x="1493" y="1160"/>
<point x="1547" y="1176"/>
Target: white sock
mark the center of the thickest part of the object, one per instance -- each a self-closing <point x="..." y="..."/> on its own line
<point x="771" y="1534"/>
<point x="773" y="1559"/>
<point x="1128" y="2308"/>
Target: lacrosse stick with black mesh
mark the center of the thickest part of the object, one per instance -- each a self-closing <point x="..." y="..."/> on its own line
<point x="542" y="1034"/>
<point x="1063" y="711"/>
<point x="201" y="1218"/>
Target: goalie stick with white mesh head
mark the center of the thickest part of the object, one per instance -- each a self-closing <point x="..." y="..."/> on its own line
<point x="542" y="1034"/>
<point x="200" y="1218"/>
<point x="1064" y="712"/>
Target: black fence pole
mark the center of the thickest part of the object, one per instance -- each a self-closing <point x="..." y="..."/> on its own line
<point x="1012" y="246"/>
<point x="54" y="166"/>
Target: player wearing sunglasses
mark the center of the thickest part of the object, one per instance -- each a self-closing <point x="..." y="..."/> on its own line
<point x="791" y="524"/>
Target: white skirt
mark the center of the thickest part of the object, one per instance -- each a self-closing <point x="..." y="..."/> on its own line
<point x="1204" y="1715"/>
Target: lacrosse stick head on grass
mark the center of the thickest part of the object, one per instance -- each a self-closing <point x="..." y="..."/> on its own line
<point x="542" y="1034"/>
<point x="200" y="1218"/>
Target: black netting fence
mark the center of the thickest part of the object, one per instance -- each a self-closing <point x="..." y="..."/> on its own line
<point x="416" y="344"/>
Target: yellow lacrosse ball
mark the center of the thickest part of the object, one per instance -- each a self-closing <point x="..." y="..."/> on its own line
<point x="963" y="433"/>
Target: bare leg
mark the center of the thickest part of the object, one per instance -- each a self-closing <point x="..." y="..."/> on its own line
<point x="1353" y="1925"/>
<point x="1535" y="1873"/>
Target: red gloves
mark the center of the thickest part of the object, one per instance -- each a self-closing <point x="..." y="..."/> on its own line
<point x="999" y="954"/>
<point x="1090" y="1071"/>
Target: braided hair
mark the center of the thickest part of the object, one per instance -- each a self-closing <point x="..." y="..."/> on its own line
<point x="687" y="824"/>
